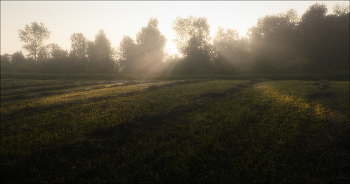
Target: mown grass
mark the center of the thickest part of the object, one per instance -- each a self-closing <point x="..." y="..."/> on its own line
<point x="333" y="76"/>
<point x="61" y="118"/>
<point x="204" y="131"/>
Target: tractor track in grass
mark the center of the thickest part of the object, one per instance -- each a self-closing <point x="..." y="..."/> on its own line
<point x="333" y="115"/>
<point x="48" y="158"/>
<point x="337" y="130"/>
<point x="45" y="108"/>
<point x="49" y="90"/>
<point x="41" y="90"/>
<point x="17" y="86"/>
<point x="150" y="121"/>
<point x="120" y="134"/>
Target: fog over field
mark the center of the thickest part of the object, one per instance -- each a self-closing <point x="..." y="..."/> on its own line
<point x="119" y="18"/>
<point x="174" y="92"/>
<point x="174" y="37"/>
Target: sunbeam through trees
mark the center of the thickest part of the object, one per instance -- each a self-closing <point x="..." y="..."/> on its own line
<point x="282" y="43"/>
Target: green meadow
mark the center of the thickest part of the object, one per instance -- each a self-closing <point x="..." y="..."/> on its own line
<point x="174" y="131"/>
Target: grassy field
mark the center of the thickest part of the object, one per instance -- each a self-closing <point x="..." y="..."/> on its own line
<point x="174" y="131"/>
<point x="333" y="76"/>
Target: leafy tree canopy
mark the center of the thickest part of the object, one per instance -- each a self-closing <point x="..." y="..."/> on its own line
<point x="34" y="36"/>
<point x="187" y="28"/>
<point x="151" y="44"/>
<point x="18" y="58"/>
<point x="79" y="46"/>
<point x="103" y="45"/>
<point x="128" y="55"/>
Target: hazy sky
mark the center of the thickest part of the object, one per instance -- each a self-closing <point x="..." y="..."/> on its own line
<point x="118" y="18"/>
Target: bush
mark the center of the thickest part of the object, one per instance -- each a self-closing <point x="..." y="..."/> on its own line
<point x="301" y="65"/>
<point x="24" y="69"/>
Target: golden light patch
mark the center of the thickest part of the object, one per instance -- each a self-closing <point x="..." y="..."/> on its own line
<point x="283" y="98"/>
<point x="320" y="112"/>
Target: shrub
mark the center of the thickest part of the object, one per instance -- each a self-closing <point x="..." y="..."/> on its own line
<point x="24" y="69"/>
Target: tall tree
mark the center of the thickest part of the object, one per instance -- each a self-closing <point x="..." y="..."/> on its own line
<point x="341" y="41"/>
<point x="34" y="36"/>
<point x="51" y="51"/>
<point x="227" y="53"/>
<point x="103" y="45"/>
<point x="79" y="46"/>
<point x="152" y="47"/>
<point x="193" y="42"/>
<point x="56" y="52"/>
<point x="311" y="28"/>
<point x="273" y="40"/>
<point x="129" y="55"/>
<point x="326" y="36"/>
<point x="340" y="10"/>
<point x="92" y="52"/>
<point x="100" y="54"/>
<point x="186" y="28"/>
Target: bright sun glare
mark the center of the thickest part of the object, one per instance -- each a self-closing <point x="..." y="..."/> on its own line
<point x="120" y="19"/>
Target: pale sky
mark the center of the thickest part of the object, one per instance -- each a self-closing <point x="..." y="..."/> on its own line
<point x="118" y="18"/>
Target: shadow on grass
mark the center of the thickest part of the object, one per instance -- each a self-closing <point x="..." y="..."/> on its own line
<point x="60" y="158"/>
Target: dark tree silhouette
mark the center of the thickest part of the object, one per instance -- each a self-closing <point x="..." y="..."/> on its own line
<point x="277" y="43"/>
<point x="51" y="51"/>
<point x="78" y="55"/>
<point x="326" y="37"/>
<point x="129" y="55"/>
<point x="5" y="59"/>
<point x="43" y="54"/>
<point x="193" y="42"/>
<point x="227" y="53"/>
<point x="78" y="46"/>
<point x="18" y="59"/>
<point x="92" y="51"/>
<point x="100" y="54"/>
<point x="34" y="36"/>
<point x="53" y="59"/>
<point x="273" y="41"/>
<point x="341" y="40"/>
<point x="151" y="44"/>
<point x="103" y="45"/>
<point x="5" y="63"/>
<point x="56" y="52"/>
<point x="311" y="29"/>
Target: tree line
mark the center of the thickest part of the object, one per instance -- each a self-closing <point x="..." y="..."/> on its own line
<point x="282" y="43"/>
